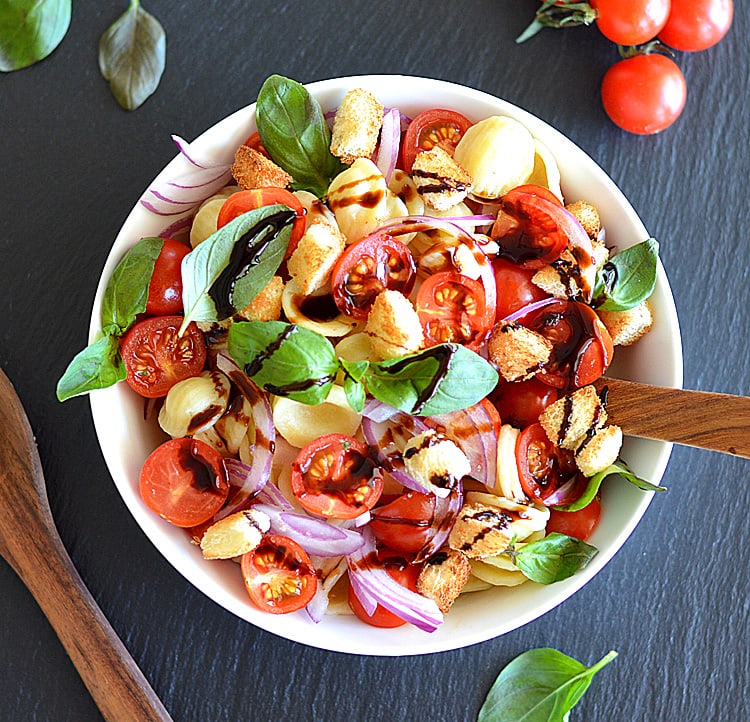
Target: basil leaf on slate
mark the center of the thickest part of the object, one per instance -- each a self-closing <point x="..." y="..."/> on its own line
<point x="628" y="278"/>
<point x="96" y="367"/>
<point x="540" y="685"/>
<point x="284" y="359"/>
<point x="207" y="271"/>
<point x="127" y="291"/>
<point x="438" y="380"/>
<point x="132" y="56"/>
<point x="553" y="558"/>
<point x="30" y="30"/>
<point x="294" y="131"/>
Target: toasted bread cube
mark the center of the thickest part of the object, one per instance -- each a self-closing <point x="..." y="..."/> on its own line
<point x="440" y="180"/>
<point x="435" y="462"/>
<point x="443" y="577"/>
<point x="393" y="326"/>
<point x="315" y="256"/>
<point x="595" y="453"/>
<point x="568" y="420"/>
<point x="517" y="351"/>
<point x="626" y="327"/>
<point x="356" y="126"/>
<point x="481" y="531"/>
<point x="587" y="216"/>
<point x="252" y="169"/>
<point x="235" y="535"/>
<point x="266" y="306"/>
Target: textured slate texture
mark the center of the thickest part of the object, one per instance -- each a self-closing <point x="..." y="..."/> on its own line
<point x="673" y="602"/>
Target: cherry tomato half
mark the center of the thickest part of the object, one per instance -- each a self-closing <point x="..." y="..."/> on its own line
<point x="244" y="201"/>
<point x="430" y="128"/>
<point x="335" y="477"/>
<point x="514" y="288"/>
<point x="543" y="468"/>
<point x="632" y="22"/>
<point x="184" y="481"/>
<point x="697" y="24"/>
<point x="165" y="288"/>
<point x="157" y="357"/>
<point x="579" y="524"/>
<point x="521" y="402"/>
<point x="278" y="574"/>
<point x="366" y="268"/>
<point x="644" y="94"/>
<point x="453" y="309"/>
<point x="404" y="524"/>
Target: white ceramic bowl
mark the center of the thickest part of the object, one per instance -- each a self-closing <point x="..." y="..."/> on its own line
<point x="126" y="440"/>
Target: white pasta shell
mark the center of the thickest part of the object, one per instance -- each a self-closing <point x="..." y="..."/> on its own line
<point x="508" y="483"/>
<point x="314" y="208"/>
<point x="496" y="577"/>
<point x="290" y="302"/>
<point x="194" y="404"/>
<point x="498" y="153"/>
<point x="545" y="173"/>
<point x="204" y="221"/>
<point x="355" y="347"/>
<point x="526" y="518"/>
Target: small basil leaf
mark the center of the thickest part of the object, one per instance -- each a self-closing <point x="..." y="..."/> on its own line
<point x="132" y="56"/>
<point x="294" y="131"/>
<point x="355" y="394"/>
<point x="540" y="685"/>
<point x="438" y="380"/>
<point x="628" y="278"/>
<point x="30" y="30"/>
<point x="127" y="291"/>
<point x="96" y="367"/>
<point x="284" y="359"/>
<point x="554" y="558"/>
<point x="354" y="369"/>
<point x="209" y="276"/>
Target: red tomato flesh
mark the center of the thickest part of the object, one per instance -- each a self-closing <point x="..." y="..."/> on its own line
<point x="437" y="126"/>
<point x="521" y="402"/>
<point x="514" y="288"/>
<point x="165" y="288"/>
<point x="579" y="524"/>
<point x="404" y="524"/>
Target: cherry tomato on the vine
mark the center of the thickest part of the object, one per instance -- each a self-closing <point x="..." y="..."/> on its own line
<point x="630" y="22"/>
<point x="579" y="524"/>
<point x="697" y="24"/>
<point x="430" y="128"/>
<point x="165" y="288"/>
<point x="644" y="94"/>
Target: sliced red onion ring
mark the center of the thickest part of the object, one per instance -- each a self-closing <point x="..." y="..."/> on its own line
<point x="415" y="224"/>
<point x="561" y="495"/>
<point x="446" y="510"/>
<point x="390" y="139"/>
<point x="317" y="606"/>
<point x="271" y="494"/>
<point x="373" y="586"/>
<point x="196" y="159"/>
<point x="178" y="229"/>
<point x="245" y="483"/>
<point x="529" y="308"/>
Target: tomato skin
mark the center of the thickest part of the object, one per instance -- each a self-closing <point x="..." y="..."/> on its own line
<point x="579" y="524"/>
<point x="632" y="22"/>
<point x="436" y="126"/>
<point x="366" y="268"/>
<point x="278" y="575"/>
<point x="165" y="288"/>
<point x="404" y="524"/>
<point x="184" y="481"/>
<point x="514" y="288"/>
<point x="253" y="141"/>
<point x="157" y="357"/>
<point x="644" y="94"/>
<point x="540" y="191"/>
<point x="521" y="402"/>
<point x="334" y="477"/>
<point x="697" y="24"/>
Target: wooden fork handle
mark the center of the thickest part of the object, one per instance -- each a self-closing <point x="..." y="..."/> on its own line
<point x="719" y="422"/>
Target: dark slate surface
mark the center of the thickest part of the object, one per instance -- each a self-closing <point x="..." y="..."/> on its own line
<point x="674" y="601"/>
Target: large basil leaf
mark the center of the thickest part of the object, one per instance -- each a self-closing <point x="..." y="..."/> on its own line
<point x="541" y="685"/>
<point x="294" y="131"/>
<point x="554" y="558"/>
<point x="132" y="56"/>
<point x="30" y="30"/>
<point x="628" y="278"/>
<point x="96" y="367"/>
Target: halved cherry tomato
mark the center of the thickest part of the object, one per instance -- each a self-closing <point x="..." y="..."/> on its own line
<point x="520" y="403"/>
<point x="453" y="309"/>
<point x="632" y="22"/>
<point x="184" y="481"/>
<point x="366" y="268"/>
<point x="430" y="128"/>
<point x="543" y="468"/>
<point x="582" y="346"/>
<point x="278" y="574"/>
<point x="697" y="24"/>
<point x="404" y="572"/>
<point x="404" y="524"/>
<point x="514" y="288"/>
<point x="335" y="477"/>
<point x="165" y="288"/>
<point x="579" y="524"/>
<point x="157" y="357"/>
<point x="244" y="201"/>
<point x="256" y="143"/>
<point x="536" y="190"/>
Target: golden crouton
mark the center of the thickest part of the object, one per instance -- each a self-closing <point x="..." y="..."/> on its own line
<point x="393" y="326"/>
<point x="568" y="420"/>
<point x="235" y="535"/>
<point x="587" y="216"/>
<point x="626" y="327"/>
<point x="356" y="126"/>
<point x="481" y="531"/>
<point x="252" y="169"/>
<point x="266" y="306"/>
<point x="315" y="256"/>
<point x="517" y="351"/>
<point x="443" y="577"/>
<point x="433" y="460"/>
<point x="440" y="180"/>
<point x="598" y="451"/>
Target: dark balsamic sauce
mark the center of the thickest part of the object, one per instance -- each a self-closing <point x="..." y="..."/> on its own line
<point x="203" y="473"/>
<point x="317" y="308"/>
<point x="443" y="184"/>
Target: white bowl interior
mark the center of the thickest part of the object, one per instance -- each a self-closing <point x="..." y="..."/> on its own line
<point x="126" y="440"/>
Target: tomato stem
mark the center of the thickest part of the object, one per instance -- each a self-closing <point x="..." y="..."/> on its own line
<point x="653" y="46"/>
<point x="558" y="15"/>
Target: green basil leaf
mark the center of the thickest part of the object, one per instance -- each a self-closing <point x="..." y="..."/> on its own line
<point x="132" y="56"/>
<point x="628" y="278"/>
<point x="438" y="380"/>
<point x="207" y="272"/>
<point x="127" y="291"/>
<point x="284" y="359"/>
<point x="355" y="394"/>
<point x="294" y="131"/>
<point x="354" y="369"/>
<point x="554" y="558"/>
<point x="96" y="367"/>
<point x="540" y="685"/>
<point x="30" y="30"/>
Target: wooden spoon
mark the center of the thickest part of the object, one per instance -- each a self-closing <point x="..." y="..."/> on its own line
<point x="29" y="542"/>
<point x="720" y="422"/>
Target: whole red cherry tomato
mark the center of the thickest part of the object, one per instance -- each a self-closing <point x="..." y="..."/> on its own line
<point x="697" y="24"/>
<point x="165" y="288"/>
<point x="630" y="22"/>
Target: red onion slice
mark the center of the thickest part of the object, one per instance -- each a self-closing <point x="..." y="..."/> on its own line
<point x="529" y="308"/>
<point x="317" y="606"/>
<point x="390" y="139"/>
<point x="446" y="510"/>
<point x="271" y="494"/>
<point x="245" y="483"/>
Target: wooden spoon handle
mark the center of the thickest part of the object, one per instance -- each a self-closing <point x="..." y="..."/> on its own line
<point x="720" y="422"/>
